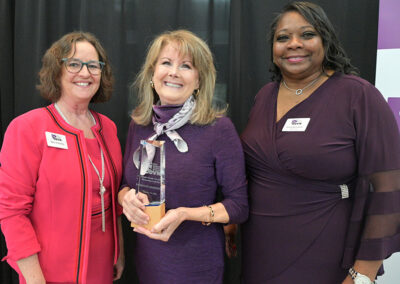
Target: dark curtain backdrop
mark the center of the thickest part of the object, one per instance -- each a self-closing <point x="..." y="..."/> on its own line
<point x="236" y="31"/>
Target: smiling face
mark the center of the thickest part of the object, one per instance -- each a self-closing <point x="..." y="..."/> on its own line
<point x="297" y="48"/>
<point x="175" y="78"/>
<point x="82" y="86"/>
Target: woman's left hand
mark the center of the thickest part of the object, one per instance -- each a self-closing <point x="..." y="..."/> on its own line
<point x="164" y="229"/>
<point x="119" y="266"/>
<point x="348" y="280"/>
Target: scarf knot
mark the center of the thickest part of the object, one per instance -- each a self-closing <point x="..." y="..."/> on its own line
<point x="169" y="128"/>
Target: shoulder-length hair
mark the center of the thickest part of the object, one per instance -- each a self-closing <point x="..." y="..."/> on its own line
<point x="50" y="73"/>
<point x="189" y="45"/>
<point x="335" y="57"/>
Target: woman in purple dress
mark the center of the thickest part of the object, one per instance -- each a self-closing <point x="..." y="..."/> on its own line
<point x="323" y="163"/>
<point x="203" y="155"/>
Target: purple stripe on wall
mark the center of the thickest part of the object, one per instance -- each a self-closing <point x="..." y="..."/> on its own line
<point x="389" y="24"/>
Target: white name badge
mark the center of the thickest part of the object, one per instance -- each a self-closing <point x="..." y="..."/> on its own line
<point x="56" y="140"/>
<point x="296" y="125"/>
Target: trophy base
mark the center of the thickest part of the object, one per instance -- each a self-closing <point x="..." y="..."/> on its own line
<point x="155" y="212"/>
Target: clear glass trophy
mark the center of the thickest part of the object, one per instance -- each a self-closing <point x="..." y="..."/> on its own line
<point x="151" y="179"/>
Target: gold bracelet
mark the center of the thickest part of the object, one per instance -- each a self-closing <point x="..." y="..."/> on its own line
<point x="211" y="216"/>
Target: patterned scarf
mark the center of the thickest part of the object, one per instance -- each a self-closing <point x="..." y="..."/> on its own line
<point x="169" y="127"/>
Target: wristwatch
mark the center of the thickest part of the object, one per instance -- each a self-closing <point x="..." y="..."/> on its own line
<point x="359" y="278"/>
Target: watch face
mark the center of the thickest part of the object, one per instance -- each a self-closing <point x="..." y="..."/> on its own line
<point x="362" y="279"/>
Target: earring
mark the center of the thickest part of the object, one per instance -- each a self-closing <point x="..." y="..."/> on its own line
<point x="152" y="84"/>
<point x="196" y="92"/>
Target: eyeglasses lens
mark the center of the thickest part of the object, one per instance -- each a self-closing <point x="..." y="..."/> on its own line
<point x="75" y="66"/>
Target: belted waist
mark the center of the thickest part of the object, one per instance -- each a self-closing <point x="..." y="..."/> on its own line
<point x="283" y="196"/>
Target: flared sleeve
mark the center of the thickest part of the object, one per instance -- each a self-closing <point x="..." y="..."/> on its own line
<point x="374" y="230"/>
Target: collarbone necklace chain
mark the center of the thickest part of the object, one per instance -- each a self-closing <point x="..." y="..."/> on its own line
<point x="300" y="91"/>
<point x="101" y="179"/>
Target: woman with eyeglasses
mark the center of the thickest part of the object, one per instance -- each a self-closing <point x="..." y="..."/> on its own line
<point x="60" y="168"/>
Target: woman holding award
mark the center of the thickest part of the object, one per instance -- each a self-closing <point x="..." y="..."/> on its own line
<point x="203" y="154"/>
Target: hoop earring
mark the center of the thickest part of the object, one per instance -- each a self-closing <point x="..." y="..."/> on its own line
<point x="196" y="92"/>
<point x="152" y="84"/>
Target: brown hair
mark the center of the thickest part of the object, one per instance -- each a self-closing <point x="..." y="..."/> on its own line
<point x="50" y="72"/>
<point x="189" y="45"/>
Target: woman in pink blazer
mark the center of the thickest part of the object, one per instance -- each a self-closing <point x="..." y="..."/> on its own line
<point x="60" y="169"/>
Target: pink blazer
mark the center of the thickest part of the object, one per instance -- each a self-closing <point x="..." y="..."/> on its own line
<point x="46" y="194"/>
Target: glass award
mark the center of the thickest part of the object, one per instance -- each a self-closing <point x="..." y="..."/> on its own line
<point x="151" y="179"/>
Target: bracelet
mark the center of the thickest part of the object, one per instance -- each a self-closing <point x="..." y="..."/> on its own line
<point x="358" y="277"/>
<point x="211" y="216"/>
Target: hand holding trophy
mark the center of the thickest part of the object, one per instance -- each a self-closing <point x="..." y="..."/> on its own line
<point x="151" y="180"/>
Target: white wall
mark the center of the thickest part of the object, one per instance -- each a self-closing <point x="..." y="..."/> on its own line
<point x="388" y="83"/>
<point x="392" y="270"/>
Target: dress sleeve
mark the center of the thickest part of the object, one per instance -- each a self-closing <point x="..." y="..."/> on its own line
<point x="230" y="171"/>
<point x="374" y="231"/>
<point x="127" y="154"/>
<point x="19" y="164"/>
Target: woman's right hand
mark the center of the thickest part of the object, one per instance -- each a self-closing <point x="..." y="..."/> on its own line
<point x="133" y="205"/>
<point x="31" y="270"/>
<point x="230" y="231"/>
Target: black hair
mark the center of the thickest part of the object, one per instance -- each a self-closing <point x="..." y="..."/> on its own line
<point x="335" y="57"/>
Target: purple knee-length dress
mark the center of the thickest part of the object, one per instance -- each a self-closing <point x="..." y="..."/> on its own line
<point x="215" y="161"/>
<point x="322" y="197"/>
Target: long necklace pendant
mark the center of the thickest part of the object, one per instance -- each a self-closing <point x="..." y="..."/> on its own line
<point x="103" y="217"/>
<point x="102" y="189"/>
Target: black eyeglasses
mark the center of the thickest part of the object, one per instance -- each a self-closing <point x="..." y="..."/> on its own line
<point x="75" y="65"/>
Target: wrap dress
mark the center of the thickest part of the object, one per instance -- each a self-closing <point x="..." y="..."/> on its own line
<point x="316" y="196"/>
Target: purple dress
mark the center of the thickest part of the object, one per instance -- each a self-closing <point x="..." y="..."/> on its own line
<point x="302" y="227"/>
<point x="215" y="161"/>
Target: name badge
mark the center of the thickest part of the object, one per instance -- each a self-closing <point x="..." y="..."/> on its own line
<point x="56" y="140"/>
<point x="296" y="125"/>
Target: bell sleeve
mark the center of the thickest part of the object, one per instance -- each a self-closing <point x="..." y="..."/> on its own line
<point x="374" y="230"/>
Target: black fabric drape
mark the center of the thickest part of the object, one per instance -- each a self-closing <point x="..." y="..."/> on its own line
<point x="7" y="111"/>
<point x="355" y="21"/>
<point x="236" y="31"/>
